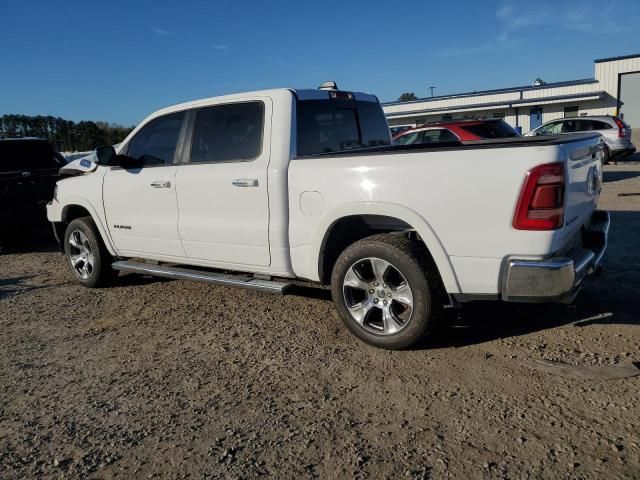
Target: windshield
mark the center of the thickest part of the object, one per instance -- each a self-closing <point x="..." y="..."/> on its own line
<point x="326" y="126"/>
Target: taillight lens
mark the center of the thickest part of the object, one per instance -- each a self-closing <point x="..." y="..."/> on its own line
<point x="541" y="202"/>
<point x="622" y="128"/>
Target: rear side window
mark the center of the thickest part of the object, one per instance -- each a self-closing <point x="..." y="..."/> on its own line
<point x="491" y="130"/>
<point x="598" y="125"/>
<point x="438" y="136"/>
<point x="156" y="142"/>
<point x="16" y="155"/>
<point x="230" y="132"/>
<point x="326" y="126"/>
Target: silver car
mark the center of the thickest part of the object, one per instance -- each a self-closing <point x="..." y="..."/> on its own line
<point x="616" y="133"/>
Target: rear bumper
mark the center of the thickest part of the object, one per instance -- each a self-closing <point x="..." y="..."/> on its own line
<point x="557" y="279"/>
<point x="623" y="152"/>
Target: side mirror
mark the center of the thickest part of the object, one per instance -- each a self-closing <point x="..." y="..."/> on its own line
<point x="106" y="155"/>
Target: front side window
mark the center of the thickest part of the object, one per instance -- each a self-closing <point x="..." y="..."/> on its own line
<point x="231" y="132"/>
<point x="550" y="129"/>
<point x="156" y="142"/>
<point x="407" y="139"/>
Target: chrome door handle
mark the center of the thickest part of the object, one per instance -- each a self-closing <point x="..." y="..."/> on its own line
<point x="245" y="182"/>
<point x="161" y="184"/>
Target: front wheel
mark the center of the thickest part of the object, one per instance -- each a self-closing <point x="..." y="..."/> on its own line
<point x="387" y="291"/>
<point x="88" y="258"/>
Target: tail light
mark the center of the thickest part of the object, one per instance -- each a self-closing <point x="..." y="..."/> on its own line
<point x="622" y="128"/>
<point x="541" y="202"/>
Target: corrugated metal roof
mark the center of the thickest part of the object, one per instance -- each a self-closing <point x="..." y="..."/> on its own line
<point x="584" y="81"/>
<point x="613" y="59"/>
<point x="505" y="104"/>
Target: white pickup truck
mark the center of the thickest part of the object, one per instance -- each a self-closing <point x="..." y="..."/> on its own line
<point x="289" y="184"/>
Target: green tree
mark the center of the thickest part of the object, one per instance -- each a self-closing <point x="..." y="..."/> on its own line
<point x="407" y="96"/>
<point x="65" y="135"/>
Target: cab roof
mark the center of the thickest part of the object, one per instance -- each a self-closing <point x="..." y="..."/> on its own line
<point x="300" y="94"/>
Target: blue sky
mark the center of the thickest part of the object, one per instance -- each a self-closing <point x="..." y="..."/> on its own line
<point x="119" y="60"/>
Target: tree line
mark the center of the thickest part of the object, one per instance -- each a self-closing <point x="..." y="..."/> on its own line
<point x="65" y="135"/>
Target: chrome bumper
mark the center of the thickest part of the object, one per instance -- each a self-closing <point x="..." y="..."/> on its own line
<point x="557" y="279"/>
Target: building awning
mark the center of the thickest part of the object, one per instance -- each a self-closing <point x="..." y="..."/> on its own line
<point x="525" y="102"/>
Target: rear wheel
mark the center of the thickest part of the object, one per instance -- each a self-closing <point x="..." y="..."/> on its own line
<point x="88" y="258"/>
<point x="386" y="291"/>
<point x="607" y="156"/>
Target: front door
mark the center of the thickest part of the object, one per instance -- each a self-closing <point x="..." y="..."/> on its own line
<point x="223" y="200"/>
<point x="535" y="118"/>
<point x="140" y="203"/>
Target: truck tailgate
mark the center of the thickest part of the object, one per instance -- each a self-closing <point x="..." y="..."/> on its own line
<point x="583" y="172"/>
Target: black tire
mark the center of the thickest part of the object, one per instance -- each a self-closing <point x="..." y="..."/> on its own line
<point x="97" y="258"/>
<point x="607" y="156"/>
<point x="410" y="259"/>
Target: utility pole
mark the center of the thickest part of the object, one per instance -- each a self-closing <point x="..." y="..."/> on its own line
<point x="432" y="89"/>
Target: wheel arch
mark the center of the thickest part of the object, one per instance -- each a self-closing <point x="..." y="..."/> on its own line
<point x="347" y="225"/>
<point x="79" y="208"/>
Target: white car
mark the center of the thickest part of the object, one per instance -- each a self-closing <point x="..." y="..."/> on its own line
<point x="305" y="184"/>
<point x="616" y="133"/>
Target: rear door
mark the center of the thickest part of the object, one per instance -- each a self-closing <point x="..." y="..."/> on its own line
<point x="140" y="203"/>
<point x="222" y="189"/>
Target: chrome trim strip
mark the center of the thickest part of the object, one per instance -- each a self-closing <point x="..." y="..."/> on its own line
<point x="551" y="264"/>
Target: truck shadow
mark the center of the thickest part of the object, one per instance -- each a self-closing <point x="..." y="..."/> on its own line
<point x="10" y="287"/>
<point x="479" y="323"/>
<point x="615" y="176"/>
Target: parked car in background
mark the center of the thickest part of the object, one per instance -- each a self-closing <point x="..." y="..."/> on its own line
<point x="397" y="129"/>
<point x="616" y="133"/>
<point x="461" y="131"/>
<point x="29" y="170"/>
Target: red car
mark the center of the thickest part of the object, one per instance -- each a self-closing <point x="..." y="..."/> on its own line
<point x="461" y="131"/>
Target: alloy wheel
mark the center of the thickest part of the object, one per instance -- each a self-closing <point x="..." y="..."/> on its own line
<point x="80" y="254"/>
<point x="377" y="295"/>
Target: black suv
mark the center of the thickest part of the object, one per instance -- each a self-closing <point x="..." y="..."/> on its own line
<point x="28" y="174"/>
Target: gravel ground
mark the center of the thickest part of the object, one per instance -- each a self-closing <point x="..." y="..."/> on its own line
<point x="171" y="379"/>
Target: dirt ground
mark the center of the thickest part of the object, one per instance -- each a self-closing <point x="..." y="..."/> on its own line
<point x="172" y="379"/>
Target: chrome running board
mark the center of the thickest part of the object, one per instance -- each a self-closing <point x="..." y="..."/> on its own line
<point x="180" y="273"/>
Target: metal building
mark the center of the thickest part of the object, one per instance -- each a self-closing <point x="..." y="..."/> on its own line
<point x="615" y="90"/>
